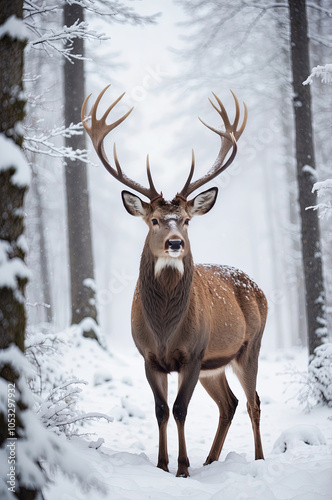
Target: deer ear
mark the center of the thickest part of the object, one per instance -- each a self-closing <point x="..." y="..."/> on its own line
<point x="203" y="202"/>
<point x="134" y="205"/>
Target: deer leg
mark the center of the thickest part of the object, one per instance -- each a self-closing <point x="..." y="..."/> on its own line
<point x="219" y="390"/>
<point x="158" y="384"/>
<point x="188" y="377"/>
<point x="253" y="406"/>
<point x="246" y="371"/>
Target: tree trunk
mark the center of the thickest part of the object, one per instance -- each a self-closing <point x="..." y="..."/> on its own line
<point x="78" y="212"/>
<point x="43" y="254"/>
<point x="12" y="268"/>
<point x="311" y="245"/>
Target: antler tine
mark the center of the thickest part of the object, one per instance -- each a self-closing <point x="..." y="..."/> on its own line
<point x="116" y="161"/>
<point x="244" y="122"/>
<point x="153" y="190"/>
<point x="83" y="117"/>
<point x="237" y="110"/>
<point x="222" y="111"/>
<point x="99" y="130"/>
<point x="219" y="132"/>
<point x="93" y="111"/>
<point x="228" y="140"/>
<point x="190" y="176"/>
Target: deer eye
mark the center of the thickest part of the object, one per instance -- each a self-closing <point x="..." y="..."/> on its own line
<point x="154" y="222"/>
<point x="187" y="221"/>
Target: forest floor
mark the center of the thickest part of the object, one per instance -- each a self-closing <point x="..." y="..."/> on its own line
<point x="297" y="444"/>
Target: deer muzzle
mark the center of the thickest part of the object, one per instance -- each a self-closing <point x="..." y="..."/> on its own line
<point x="174" y="247"/>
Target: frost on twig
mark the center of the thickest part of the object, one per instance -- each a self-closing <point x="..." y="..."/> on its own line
<point x="66" y="35"/>
<point x="60" y="40"/>
<point x="40" y="452"/>
<point x="44" y="143"/>
<point x="323" y="72"/>
<point x="323" y="189"/>
<point x="59" y="412"/>
<point x="57" y="395"/>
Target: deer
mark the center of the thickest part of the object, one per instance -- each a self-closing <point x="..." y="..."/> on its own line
<point x="191" y="319"/>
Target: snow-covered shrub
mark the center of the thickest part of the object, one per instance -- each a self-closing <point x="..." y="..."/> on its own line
<point x="43" y="350"/>
<point x="59" y="411"/>
<point x="316" y="383"/>
<point x="320" y="374"/>
<point x="38" y="451"/>
<point x="57" y="393"/>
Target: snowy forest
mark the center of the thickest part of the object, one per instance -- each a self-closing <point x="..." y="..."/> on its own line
<point x="77" y="413"/>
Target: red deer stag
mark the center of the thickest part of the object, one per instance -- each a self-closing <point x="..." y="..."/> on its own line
<point x="191" y="319"/>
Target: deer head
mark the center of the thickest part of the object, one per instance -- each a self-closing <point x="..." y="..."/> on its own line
<point x="167" y="220"/>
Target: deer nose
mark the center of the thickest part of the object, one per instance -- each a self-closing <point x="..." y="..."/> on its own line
<point x="174" y="245"/>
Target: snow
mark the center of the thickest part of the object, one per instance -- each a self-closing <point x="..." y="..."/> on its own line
<point x="325" y="72"/>
<point x="323" y="186"/>
<point x="15" y="28"/>
<point x="90" y="283"/>
<point x="12" y="157"/>
<point x="323" y="189"/>
<point x="11" y="269"/>
<point x="310" y="170"/>
<point x="293" y="437"/>
<point x="123" y="454"/>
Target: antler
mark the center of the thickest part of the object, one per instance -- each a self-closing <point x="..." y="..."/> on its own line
<point x="228" y="139"/>
<point x="99" y="130"/>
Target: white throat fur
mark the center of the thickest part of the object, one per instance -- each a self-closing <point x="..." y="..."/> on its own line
<point x="163" y="262"/>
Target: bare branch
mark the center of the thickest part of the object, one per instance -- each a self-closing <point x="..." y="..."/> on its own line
<point x="320" y="40"/>
<point x="319" y="8"/>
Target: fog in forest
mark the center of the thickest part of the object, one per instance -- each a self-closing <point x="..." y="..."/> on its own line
<point x="255" y="223"/>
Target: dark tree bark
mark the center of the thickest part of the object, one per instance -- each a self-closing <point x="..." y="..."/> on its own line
<point x="78" y="212"/>
<point x="12" y="192"/>
<point x="12" y="309"/>
<point x="305" y="157"/>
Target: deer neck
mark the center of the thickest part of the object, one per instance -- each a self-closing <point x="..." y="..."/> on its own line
<point x="165" y="291"/>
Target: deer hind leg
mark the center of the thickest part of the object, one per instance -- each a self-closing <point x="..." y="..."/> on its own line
<point x="219" y="390"/>
<point x="158" y="383"/>
<point x="246" y="371"/>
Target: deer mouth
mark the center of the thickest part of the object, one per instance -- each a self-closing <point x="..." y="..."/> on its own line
<point x="174" y="253"/>
<point x="174" y="248"/>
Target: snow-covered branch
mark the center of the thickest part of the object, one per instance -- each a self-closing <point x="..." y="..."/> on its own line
<point x="66" y="35"/>
<point x="275" y="5"/>
<point x="323" y="72"/>
<point x="120" y="13"/>
<point x="323" y="188"/>
<point x="32" y="8"/>
<point x="43" y="143"/>
<point x="61" y="40"/>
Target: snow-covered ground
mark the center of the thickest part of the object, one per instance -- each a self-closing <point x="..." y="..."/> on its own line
<point x="297" y="445"/>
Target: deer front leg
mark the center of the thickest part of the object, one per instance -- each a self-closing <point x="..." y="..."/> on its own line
<point x="188" y="377"/>
<point x="158" y="384"/>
